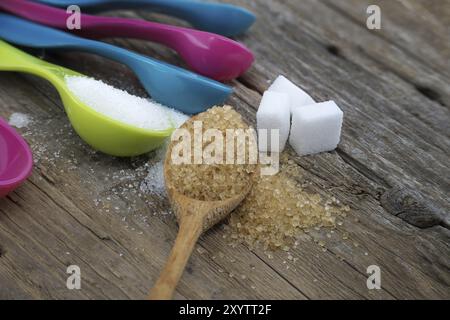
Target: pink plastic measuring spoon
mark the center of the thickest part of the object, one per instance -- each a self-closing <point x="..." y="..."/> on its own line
<point x="209" y="54"/>
<point x="16" y="161"/>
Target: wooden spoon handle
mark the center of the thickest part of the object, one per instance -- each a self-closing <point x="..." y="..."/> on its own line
<point x="188" y="234"/>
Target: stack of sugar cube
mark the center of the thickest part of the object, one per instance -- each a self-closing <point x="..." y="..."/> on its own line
<point x="315" y="127"/>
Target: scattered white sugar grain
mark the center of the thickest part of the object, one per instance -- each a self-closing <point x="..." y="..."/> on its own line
<point x="19" y="120"/>
<point x="178" y="118"/>
<point x="154" y="181"/>
<point x="160" y="153"/>
<point x="273" y="114"/>
<point x="298" y="96"/>
<point x="316" y="128"/>
<point x="118" y="104"/>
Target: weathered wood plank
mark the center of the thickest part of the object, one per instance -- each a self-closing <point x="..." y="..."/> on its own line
<point x="412" y="26"/>
<point x="90" y="205"/>
<point x="351" y="41"/>
<point x="386" y="46"/>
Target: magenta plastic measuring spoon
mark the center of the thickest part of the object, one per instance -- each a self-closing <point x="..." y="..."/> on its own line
<point x="16" y="161"/>
<point x="208" y="54"/>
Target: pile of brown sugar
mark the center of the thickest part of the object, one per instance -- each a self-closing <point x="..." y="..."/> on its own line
<point x="211" y="182"/>
<point x="277" y="210"/>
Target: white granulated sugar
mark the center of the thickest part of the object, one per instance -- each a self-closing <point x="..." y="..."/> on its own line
<point x="178" y="118"/>
<point x="154" y="182"/>
<point x="298" y="96"/>
<point x="273" y="113"/>
<point x="316" y="128"/>
<point x="19" y="120"/>
<point x="120" y="105"/>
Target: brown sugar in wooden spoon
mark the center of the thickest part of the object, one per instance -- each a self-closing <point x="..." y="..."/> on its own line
<point x="194" y="217"/>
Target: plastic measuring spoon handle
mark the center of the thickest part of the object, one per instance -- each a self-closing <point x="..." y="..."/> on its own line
<point x="13" y="59"/>
<point x="29" y="34"/>
<point x="23" y="32"/>
<point x="224" y="19"/>
<point x="91" y="25"/>
<point x="94" y="26"/>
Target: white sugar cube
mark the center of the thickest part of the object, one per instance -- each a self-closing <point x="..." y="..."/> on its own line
<point x="298" y="96"/>
<point x="316" y="128"/>
<point x="273" y="113"/>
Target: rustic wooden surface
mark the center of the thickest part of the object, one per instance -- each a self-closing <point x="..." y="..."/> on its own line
<point x="84" y="208"/>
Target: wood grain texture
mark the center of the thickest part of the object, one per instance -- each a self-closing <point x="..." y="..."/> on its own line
<point x="81" y="207"/>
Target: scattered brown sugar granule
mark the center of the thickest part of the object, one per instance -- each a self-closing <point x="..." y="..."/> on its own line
<point x="277" y="210"/>
<point x="211" y="182"/>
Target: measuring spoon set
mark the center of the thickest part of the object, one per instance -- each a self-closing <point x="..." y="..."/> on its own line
<point x="208" y="52"/>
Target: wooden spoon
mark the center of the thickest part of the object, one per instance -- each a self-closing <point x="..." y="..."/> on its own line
<point x="194" y="217"/>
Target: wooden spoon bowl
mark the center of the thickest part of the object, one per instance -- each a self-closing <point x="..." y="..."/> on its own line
<point x="194" y="217"/>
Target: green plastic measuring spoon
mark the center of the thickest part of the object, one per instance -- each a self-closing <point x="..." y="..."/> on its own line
<point x="102" y="133"/>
